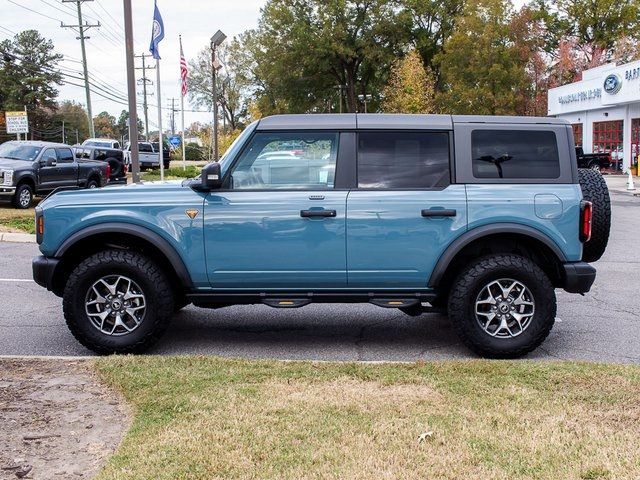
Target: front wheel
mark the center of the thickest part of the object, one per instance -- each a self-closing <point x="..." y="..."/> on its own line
<point x="502" y="306"/>
<point x="117" y="301"/>
<point x="23" y="197"/>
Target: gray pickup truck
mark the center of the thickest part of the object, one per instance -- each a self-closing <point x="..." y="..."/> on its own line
<point x="38" y="168"/>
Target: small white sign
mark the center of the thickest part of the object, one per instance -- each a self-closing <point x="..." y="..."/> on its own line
<point x="17" y="122"/>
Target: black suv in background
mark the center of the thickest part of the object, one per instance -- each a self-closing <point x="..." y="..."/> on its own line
<point x="113" y="156"/>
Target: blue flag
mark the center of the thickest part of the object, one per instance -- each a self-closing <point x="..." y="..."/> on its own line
<point x="157" y="34"/>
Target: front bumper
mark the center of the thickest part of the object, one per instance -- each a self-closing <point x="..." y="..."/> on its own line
<point x="578" y="277"/>
<point x="6" y="191"/>
<point x="43" y="270"/>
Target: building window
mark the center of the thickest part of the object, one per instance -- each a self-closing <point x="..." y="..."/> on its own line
<point x="635" y="138"/>
<point x="577" y="134"/>
<point x="608" y="138"/>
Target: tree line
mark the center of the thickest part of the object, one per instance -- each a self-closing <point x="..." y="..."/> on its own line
<point x="414" y="56"/>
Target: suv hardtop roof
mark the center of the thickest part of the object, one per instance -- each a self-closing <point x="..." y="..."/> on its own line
<point x="329" y="121"/>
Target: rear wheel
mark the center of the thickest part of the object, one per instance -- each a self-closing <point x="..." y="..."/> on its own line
<point x="594" y="190"/>
<point x="92" y="183"/>
<point x="117" y="302"/>
<point x="502" y="306"/>
<point x="23" y="198"/>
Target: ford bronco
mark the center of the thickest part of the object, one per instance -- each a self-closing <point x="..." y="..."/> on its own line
<point x="478" y="217"/>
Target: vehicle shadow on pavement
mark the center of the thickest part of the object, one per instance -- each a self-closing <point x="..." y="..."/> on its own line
<point x="355" y="332"/>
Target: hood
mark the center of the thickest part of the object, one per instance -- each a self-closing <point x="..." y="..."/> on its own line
<point x="142" y="193"/>
<point x="10" y="164"/>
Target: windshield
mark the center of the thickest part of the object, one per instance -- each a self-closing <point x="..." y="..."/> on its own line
<point x="18" y="151"/>
<point x="92" y="143"/>
<point x="235" y="146"/>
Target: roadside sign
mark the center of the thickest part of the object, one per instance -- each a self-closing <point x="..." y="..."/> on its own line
<point x="175" y="141"/>
<point x="17" y="122"/>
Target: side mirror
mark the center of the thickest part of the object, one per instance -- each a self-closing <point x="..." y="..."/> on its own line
<point x="211" y="176"/>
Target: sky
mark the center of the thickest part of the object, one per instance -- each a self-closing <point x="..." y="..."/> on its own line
<point x="195" y="20"/>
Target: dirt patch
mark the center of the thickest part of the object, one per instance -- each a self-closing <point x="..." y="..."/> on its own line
<point x="56" y="420"/>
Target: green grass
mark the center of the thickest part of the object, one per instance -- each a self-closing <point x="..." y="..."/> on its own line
<point x="19" y="220"/>
<point x="207" y="418"/>
<point x="174" y="173"/>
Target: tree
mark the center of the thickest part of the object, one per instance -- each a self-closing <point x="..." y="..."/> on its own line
<point x="76" y="124"/>
<point x="483" y="70"/>
<point x="305" y="50"/>
<point x="411" y="87"/>
<point x="122" y="127"/>
<point x="233" y="82"/>
<point x="28" y="78"/>
<point x="105" y="126"/>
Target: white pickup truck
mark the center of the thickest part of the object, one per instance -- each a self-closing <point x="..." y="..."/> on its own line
<point x="147" y="155"/>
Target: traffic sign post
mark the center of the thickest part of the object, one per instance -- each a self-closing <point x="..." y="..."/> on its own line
<point x="17" y="122"/>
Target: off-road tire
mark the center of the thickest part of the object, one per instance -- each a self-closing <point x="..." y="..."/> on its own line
<point x="146" y="274"/>
<point x="468" y="285"/>
<point x="19" y="195"/>
<point x="594" y="189"/>
<point x="116" y="167"/>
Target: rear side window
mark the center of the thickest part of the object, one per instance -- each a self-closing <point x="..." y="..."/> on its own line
<point x="515" y="154"/>
<point x="403" y="160"/>
<point x="65" y="155"/>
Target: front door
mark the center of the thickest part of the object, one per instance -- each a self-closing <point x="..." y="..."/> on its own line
<point x="48" y="171"/>
<point x="405" y="212"/>
<point x="278" y="223"/>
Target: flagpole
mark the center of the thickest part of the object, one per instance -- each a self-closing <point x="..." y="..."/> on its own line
<point x="159" y="99"/>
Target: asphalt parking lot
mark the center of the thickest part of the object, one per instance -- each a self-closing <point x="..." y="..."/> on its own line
<point x="602" y="326"/>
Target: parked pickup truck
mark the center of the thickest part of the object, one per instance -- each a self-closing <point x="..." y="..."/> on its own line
<point x="594" y="161"/>
<point x="478" y="217"/>
<point x="37" y="168"/>
<point x="147" y="154"/>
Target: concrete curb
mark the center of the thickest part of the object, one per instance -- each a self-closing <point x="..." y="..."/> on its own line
<point x="17" y="237"/>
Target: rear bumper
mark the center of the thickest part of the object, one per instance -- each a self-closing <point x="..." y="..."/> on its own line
<point x="578" y="277"/>
<point x="43" y="270"/>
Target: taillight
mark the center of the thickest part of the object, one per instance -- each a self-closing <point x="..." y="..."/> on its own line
<point x="108" y="171"/>
<point x="586" y="218"/>
<point x="125" y="168"/>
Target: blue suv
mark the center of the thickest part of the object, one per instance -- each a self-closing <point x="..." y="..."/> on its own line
<point x="478" y="217"/>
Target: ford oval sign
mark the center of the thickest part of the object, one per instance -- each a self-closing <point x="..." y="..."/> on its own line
<point x="612" y="84"/>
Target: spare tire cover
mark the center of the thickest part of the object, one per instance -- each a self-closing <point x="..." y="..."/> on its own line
<point x="594" y="190"/>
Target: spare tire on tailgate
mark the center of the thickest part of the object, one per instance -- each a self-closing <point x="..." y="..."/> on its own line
<point x="594" y="190"/>
<point x="117" y="168"/>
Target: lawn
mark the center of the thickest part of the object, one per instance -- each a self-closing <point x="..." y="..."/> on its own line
<point x="206" y="418"/>
<point x="14" y="220"/>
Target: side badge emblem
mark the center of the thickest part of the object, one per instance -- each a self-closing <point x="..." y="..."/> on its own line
<point x="192" y="213"/>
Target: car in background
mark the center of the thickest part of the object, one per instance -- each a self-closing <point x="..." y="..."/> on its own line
<point x="38" y="168"/>
<point x="101" y="142"/>
<point x="594" y="161"/>
<point x="113" y="156"/>
<point x="147" y="155"/>
<point x="166" y="153"/>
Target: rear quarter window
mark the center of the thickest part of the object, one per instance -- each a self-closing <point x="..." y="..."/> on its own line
<point x="515" y="154"/>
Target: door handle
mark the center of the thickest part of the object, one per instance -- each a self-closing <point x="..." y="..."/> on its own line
<point x="438" y="213"/>
<point x="317" y="213"/>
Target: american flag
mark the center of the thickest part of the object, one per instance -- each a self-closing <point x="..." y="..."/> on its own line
<point x="183" y="70"/>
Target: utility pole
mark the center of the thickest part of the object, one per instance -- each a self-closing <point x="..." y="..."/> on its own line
<point x="82" y="27"/>
<point x="145" y="81"/>
<point x="131" y="91"/>
<point x="216" y="41"/>
<point x="173" y="115"/>
<point x="63" y="132"/>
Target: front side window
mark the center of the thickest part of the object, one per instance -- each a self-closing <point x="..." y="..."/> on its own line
<point x="515" y="154"/>
<point x="403" y="160"/>
<point x="297" y="160"/>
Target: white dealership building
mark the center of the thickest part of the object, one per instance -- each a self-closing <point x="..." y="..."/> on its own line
<point x="604" y="109"/>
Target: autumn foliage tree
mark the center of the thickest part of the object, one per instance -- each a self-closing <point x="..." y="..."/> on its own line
<point x="411" y="87"/>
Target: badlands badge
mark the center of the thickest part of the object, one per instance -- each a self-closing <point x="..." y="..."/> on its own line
<point x="192" y="213"/>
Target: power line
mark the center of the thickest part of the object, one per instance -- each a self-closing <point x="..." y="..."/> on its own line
<point x="34" y="11"/>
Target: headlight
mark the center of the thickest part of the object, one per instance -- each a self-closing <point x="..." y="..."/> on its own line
<point x="6" y="177"/>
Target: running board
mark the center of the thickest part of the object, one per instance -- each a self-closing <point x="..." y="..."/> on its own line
<point x="403" y="299"/>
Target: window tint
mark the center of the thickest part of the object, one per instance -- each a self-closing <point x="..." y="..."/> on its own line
<point x="523" y="154"/>
<point x="65" y="155"/>
<point x="49" y="153"/>
<point x="145" y="147"/>
<point x="100" y="155"/>
<point x="79" y="152"/>
<point x="403" y="159"/>
<point x="287" y="160"/>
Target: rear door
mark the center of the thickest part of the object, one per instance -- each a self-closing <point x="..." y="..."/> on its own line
<point x="67" y="168"/>
<point x="405" y="211"/>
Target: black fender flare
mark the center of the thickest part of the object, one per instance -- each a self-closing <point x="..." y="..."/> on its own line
<point x="20" y="176"/>
<point x="144" y="233"/>
<point x="496" y="228"/>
